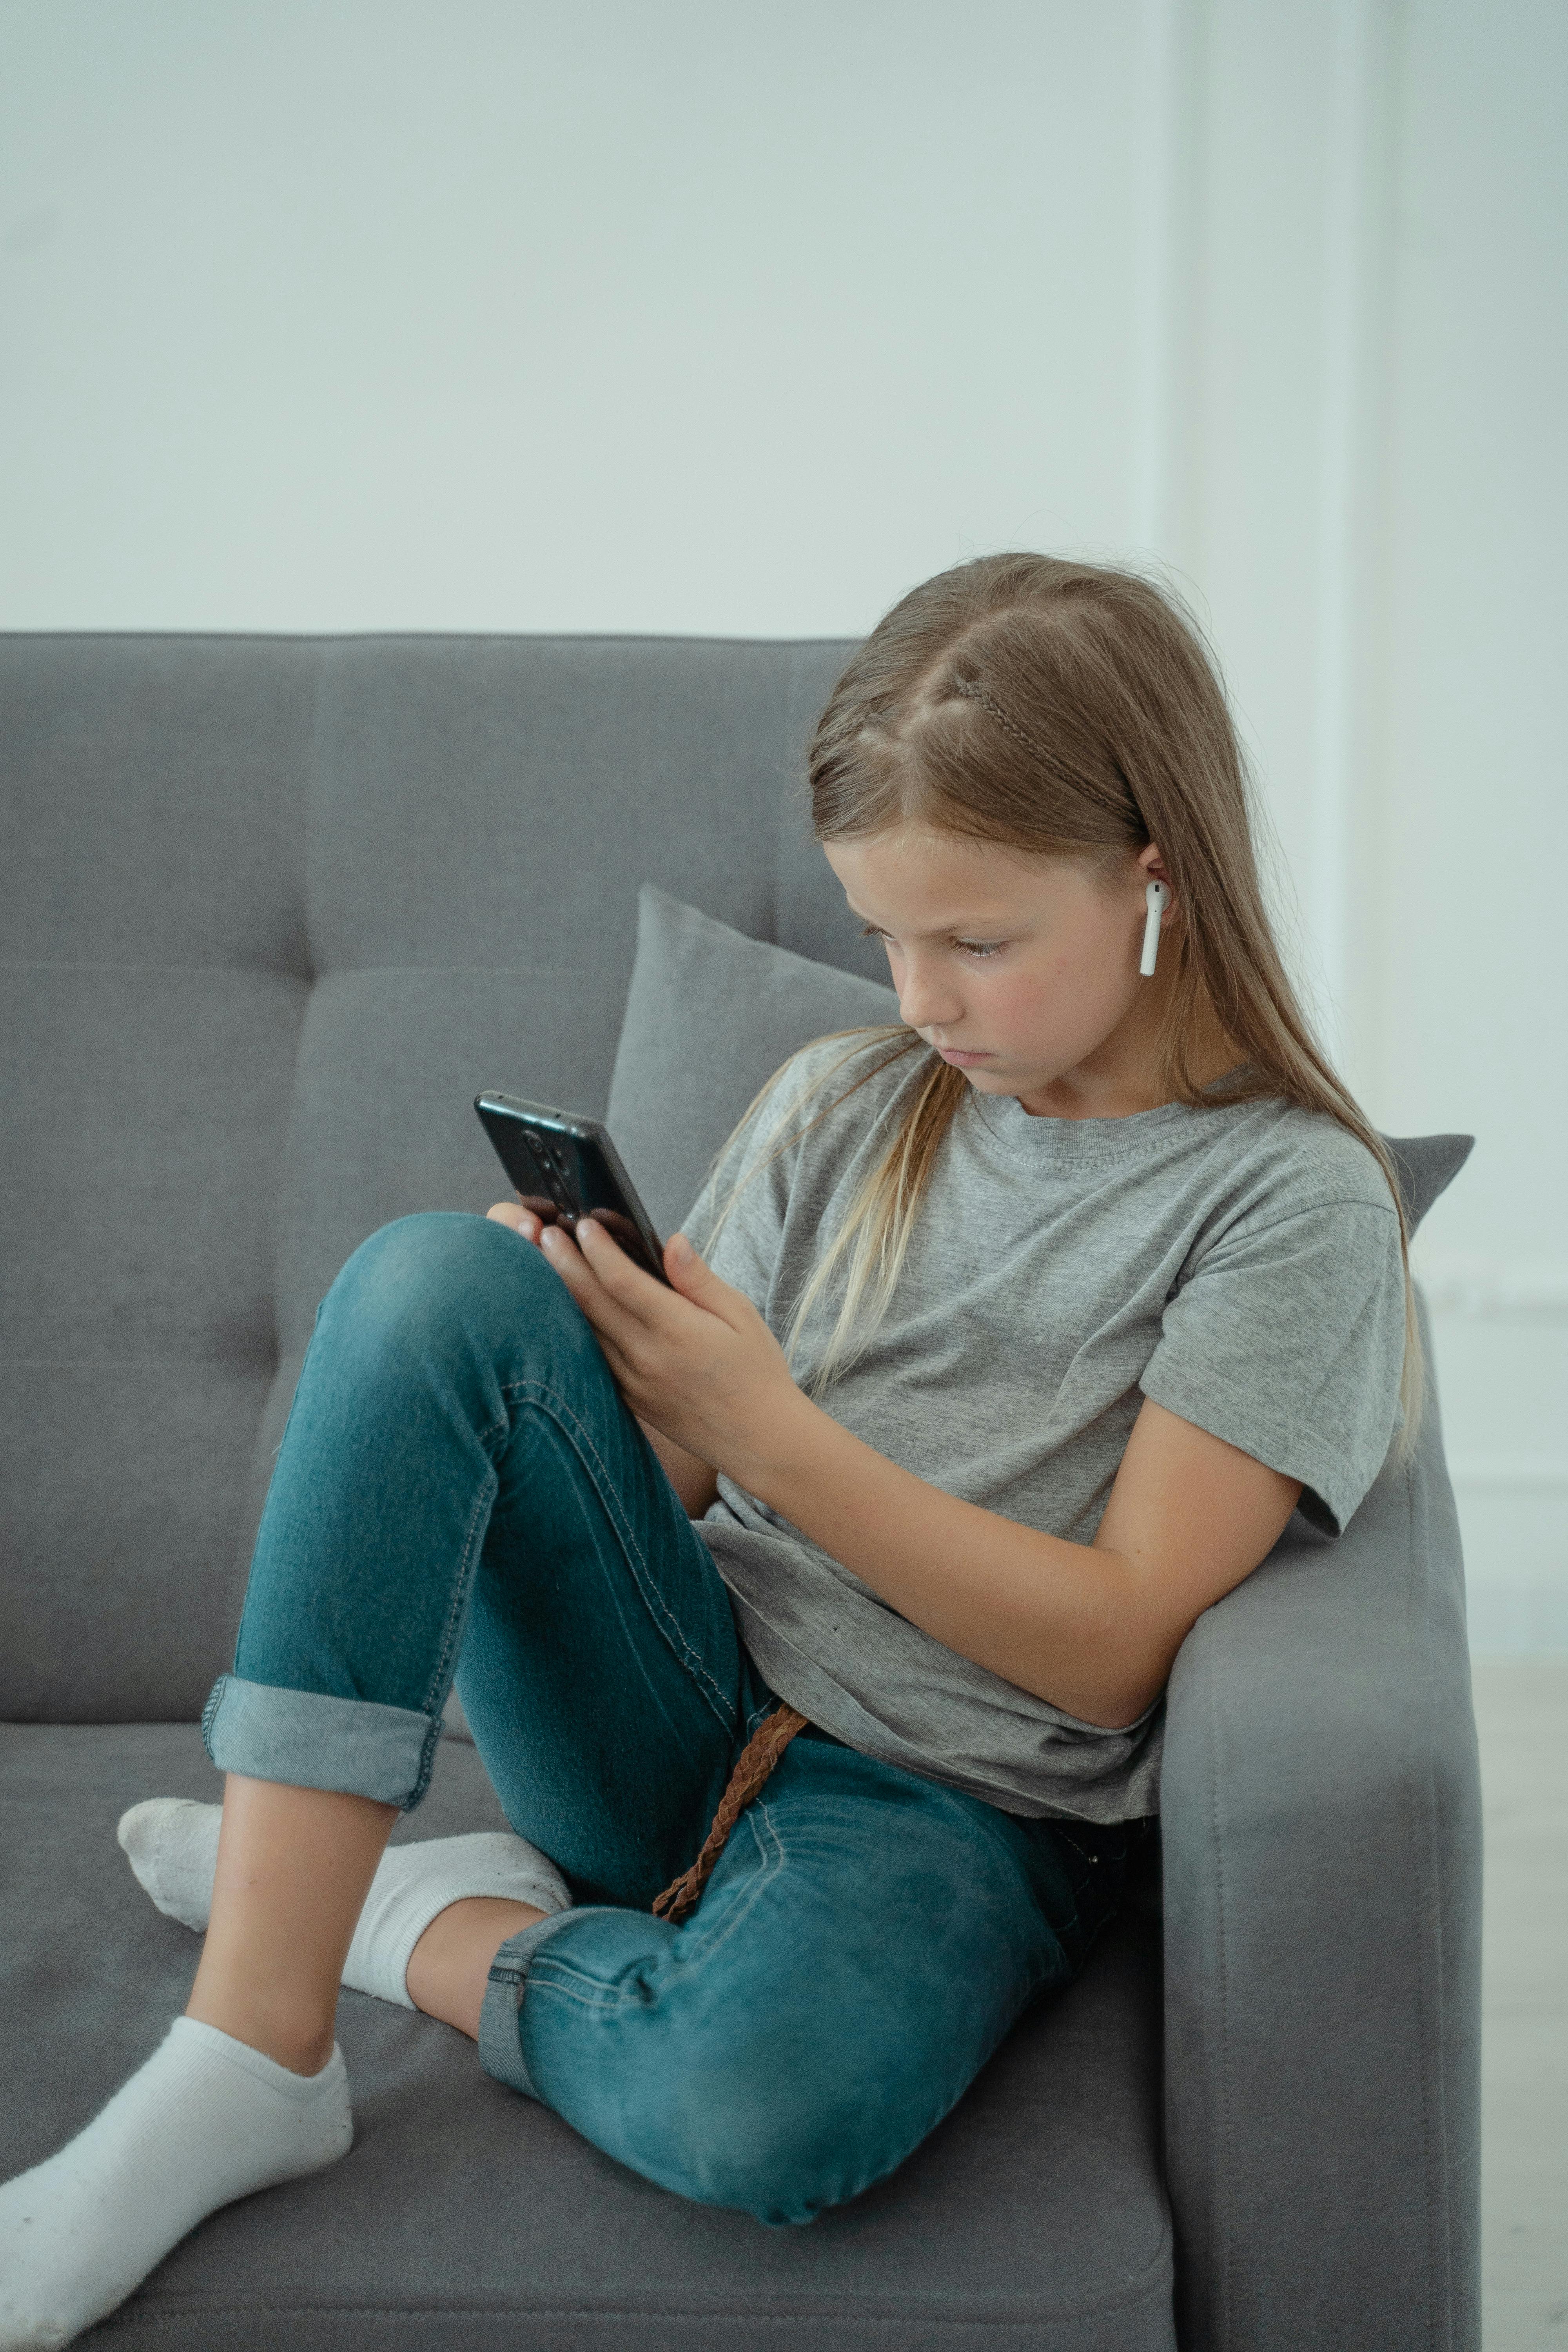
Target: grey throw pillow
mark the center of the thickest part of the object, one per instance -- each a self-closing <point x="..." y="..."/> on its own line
<point x="1427" y="1165"/>
<point x="710" y="1016"/>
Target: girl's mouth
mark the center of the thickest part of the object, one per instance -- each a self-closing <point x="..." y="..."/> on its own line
<point x="962" y="1061"/>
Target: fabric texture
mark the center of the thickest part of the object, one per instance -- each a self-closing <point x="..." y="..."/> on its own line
<point x="466" y="2216"/>
<point x="462" y="1475"/>
<point x="1339" y="1669"/>
<point x="272" y="912"/>
<point x="1241" y="1265"/>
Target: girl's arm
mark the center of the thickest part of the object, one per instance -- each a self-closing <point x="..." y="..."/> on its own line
<point x="1093" y="1628"/>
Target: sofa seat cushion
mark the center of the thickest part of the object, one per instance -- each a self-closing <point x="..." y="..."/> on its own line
<point x="468" y="2219"/>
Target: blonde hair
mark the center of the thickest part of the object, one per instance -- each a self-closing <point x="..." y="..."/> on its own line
<point x="1062" y="709"/>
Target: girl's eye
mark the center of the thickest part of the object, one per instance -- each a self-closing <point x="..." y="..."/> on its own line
<point x="982" y="950"/>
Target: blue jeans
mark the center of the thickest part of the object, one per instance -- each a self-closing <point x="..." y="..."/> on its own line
<point x="462" y="1491"/>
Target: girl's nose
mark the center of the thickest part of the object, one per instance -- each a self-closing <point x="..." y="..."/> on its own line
<point x="925" y="1004"/>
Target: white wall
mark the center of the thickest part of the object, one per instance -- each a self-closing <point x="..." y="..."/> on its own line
<point x="365" y="314"/>
<point x="1473" y="1001"/>
<point x="383" y="314"/>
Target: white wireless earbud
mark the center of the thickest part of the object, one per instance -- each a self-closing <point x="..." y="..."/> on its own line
<point x="1156" y="898"/>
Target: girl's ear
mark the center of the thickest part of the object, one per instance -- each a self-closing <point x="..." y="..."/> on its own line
<point x="1158" y="896"/>
<point x="1153" y="864"/>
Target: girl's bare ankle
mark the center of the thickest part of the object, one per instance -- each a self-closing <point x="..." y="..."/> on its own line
<point x="298" y="2040"/>
<point x="450" y="1965"/>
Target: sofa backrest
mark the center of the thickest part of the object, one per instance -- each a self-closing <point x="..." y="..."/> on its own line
<point x="274" y="909"/>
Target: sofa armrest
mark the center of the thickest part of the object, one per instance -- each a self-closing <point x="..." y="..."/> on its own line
<point x="1322" y="1863"/>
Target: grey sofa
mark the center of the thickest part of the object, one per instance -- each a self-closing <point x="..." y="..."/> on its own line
<point x="274" y="910"/>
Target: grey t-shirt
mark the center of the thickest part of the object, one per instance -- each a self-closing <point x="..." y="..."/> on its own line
<point x="1238" y="1264"/>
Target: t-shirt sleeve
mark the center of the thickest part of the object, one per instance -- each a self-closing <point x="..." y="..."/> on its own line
<point x="1286" y="1339"/>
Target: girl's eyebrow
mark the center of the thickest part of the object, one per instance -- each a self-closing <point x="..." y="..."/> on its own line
<point x="942" y="930"/>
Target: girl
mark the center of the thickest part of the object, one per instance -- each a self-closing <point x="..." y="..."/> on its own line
<point x="1001" y="1344"/>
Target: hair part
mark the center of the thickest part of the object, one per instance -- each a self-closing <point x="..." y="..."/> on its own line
<point x="1068" y="710"/>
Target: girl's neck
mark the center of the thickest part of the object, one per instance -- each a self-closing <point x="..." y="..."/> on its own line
<point x="1128" y="1082"/>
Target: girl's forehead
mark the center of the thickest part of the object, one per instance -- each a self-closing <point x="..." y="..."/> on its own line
<point x="913" y="864"/>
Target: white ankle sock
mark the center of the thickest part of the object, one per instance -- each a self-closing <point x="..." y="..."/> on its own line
<point x="206" y="2120"/>
<point x="171" y="1845"/>
<point x="172" y="1849"/>
<point x="416" y="1881"/>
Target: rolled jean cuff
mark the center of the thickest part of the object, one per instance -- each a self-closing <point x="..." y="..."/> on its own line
<point x="500" y="2039"/>
<point x="353" y="1746"/>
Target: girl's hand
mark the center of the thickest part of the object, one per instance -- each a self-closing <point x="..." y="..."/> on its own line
<point x="522" y="1221"/>
<point x="696" y="1361"/>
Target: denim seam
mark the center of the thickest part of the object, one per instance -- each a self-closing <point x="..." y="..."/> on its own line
<point x="574" y="1984"/>
<point x="1091" y="1860"/>
<point x="427" y="1766"/>
<point x="507" y="1972"/>
<point x="288" y="1425"/>
<point x="511" y="1978"/>
<point x="570" y="1984"/>
<point x="459" y="1589"/>
<point x="247" y="1694"/>
<point x="758" y="1819"/>
<point x="652" y="1598"/>
<point x="760" y="1712"/>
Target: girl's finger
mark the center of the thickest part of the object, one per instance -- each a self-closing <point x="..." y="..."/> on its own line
<point x="606" y="1314"/>
<point x="522" y="1221"/>
<point x="628" y="1284"/>
<point x="609" y="1261"/>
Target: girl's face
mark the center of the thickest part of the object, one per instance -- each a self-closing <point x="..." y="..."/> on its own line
<point x="1019" y="970"/>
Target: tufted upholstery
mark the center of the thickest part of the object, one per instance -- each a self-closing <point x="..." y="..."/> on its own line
<point x="273" y="912"/>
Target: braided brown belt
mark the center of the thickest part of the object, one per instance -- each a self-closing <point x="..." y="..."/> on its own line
<point x="757" y="1757"/>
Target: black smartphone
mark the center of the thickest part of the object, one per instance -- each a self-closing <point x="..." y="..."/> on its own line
<point x="563" y="1167"/>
